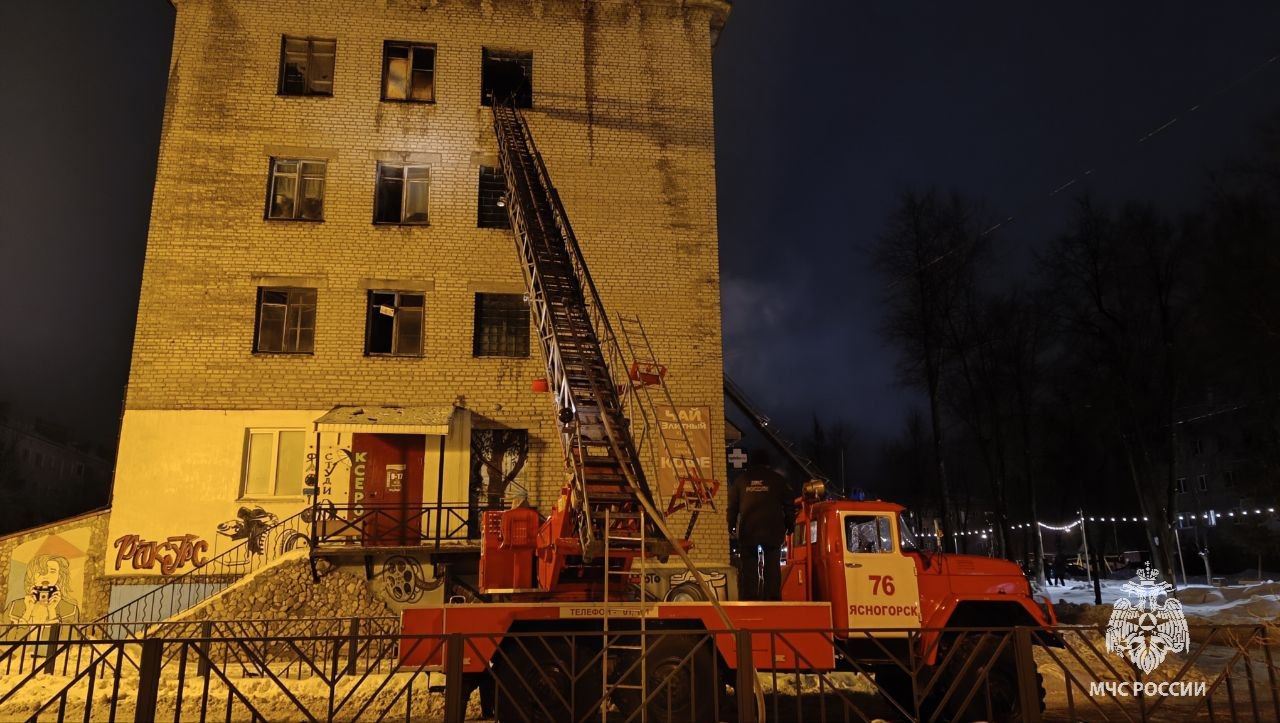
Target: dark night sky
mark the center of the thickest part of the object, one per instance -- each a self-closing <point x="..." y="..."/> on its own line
<point x="825" y="112"/>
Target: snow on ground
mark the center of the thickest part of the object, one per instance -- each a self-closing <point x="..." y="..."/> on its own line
<point x="1226" y="605"/>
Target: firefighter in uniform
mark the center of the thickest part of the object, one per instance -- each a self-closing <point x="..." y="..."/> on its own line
<point x="761" y="511"/>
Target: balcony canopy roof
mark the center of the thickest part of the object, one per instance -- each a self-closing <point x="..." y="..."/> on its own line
<point x="388" y="419"/>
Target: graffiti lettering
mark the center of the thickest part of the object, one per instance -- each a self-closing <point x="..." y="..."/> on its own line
<point x="357" y="476"/>
<point x="172" y="554"/>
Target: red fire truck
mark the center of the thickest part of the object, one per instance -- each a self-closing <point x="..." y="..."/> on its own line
<point x="853" y="568"/>
<point x="856" y="584"/>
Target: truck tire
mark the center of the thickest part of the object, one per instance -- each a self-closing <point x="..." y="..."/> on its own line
<point x="680" y="679"/>
<point x="536" y="684"/>
<point x="992" y="676"/>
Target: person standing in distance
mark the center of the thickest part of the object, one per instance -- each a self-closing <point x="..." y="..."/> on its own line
<point x="761" y="511"/>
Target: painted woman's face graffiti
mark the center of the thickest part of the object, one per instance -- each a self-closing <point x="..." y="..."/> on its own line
<point x="49" y="576"/>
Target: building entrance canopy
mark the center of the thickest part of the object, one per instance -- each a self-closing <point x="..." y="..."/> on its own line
<point x="368" y="418"/>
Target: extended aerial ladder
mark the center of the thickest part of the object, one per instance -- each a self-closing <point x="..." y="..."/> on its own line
<point x="606" y="492"/>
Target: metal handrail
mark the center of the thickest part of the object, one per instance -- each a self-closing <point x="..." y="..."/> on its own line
<point x="274" y="541"/>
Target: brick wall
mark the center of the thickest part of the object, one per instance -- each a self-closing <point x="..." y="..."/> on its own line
<point x="622" y="113"/>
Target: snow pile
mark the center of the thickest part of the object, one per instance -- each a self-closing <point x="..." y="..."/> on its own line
<point x="1202" y="604"/>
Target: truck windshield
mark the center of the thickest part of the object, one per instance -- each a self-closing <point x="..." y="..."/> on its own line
<point x="906" y="538"/>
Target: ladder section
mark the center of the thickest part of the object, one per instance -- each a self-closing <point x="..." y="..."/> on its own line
<point x="623" y="669"/>
<point x="647" y="384"/>
<point x="571" y="323"/>
<point x="606" y="479"/>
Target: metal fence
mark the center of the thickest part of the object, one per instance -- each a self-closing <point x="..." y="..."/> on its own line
<point x="428" y="526"/>
<point x="349" y="670"/>
<point x="179" y="593"/>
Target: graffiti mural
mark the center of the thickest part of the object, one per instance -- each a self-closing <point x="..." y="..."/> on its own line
<point x="46" y="579"/>
<point x="171" y="554"/>
<point x="254" y="525"/>
<point x="403" y="580"/>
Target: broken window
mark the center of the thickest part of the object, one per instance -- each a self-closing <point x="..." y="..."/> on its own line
<point x="286" y="321"/>
<point x="394" y="324"/>
<point x="502" y="325"/>
<point x="1182" y="485"/>
<point x="408" y="72"/>
<point x="867" y="533"/>
<point x="492" y="204"/>
<point x="273" y="463"/>
<point x="296" y="189"/>
<point x="401" y="195"/>
<point x="1202" y="482"/>
<point x="508" y="76"/>
<point x="306" y="66"/>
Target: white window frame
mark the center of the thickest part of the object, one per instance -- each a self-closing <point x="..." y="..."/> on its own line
<point x="273" y="466"/>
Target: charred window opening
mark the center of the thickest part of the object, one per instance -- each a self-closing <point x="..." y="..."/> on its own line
<point x="306" y="66"/>
<point x="1202" y="483"/>
<point x="286" y="321"/>
<point x="501" y="326"/>
<point x="394" y="325"/>
<point x="296" y="190"/>
<point x="408" y="72"/>
<point x="402" y="194"/>
<point x="492" y="207"/>
<point x="507" y="75"/>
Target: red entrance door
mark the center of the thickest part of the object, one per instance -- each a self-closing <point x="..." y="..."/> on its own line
<point x="390" y="488"/>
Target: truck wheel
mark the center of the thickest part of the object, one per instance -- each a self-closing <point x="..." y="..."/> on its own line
<point x="536" y="683"/>
<point x="991" y="676"/>
<point x="680" y="679"/>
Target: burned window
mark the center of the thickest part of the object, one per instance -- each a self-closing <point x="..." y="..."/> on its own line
<point x="394" y="325"/>
<point x="408" y="72"/>
<point x="502" y="325"/>
<point x="492" y="206"/>
<point x="402" y="194"/>
<point x="296" y="189"/>
<point x="1182" y="485"/>
<point x="507" y="76"/>
<point x="1202" y="483"/>
<point x="274" y="463"/>
<point x="306" y="66"/>
<point x="286" y="321"/>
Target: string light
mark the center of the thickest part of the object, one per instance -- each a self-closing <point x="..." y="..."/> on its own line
<point x="984" y="533"/>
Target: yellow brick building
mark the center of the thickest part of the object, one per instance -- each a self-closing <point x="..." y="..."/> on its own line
<point x="317" y="262"/>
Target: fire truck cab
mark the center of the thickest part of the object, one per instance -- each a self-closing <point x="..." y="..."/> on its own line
<point x="864" y="559"/>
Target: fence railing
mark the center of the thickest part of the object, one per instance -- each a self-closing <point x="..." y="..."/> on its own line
<point x="393" y="525"/>
<point x="175" y="595"/>
<point x="345" y="669"/>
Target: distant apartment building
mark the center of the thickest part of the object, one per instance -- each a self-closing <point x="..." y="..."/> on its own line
<point x="1220" y="457"/>
<point x="53" y="473"/>
<point x="332" y="307"/>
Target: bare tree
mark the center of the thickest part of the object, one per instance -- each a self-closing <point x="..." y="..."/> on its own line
<point x="501" y="454"/>
<point x="925" y="256"/>
<point x="1122" y="289"/>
